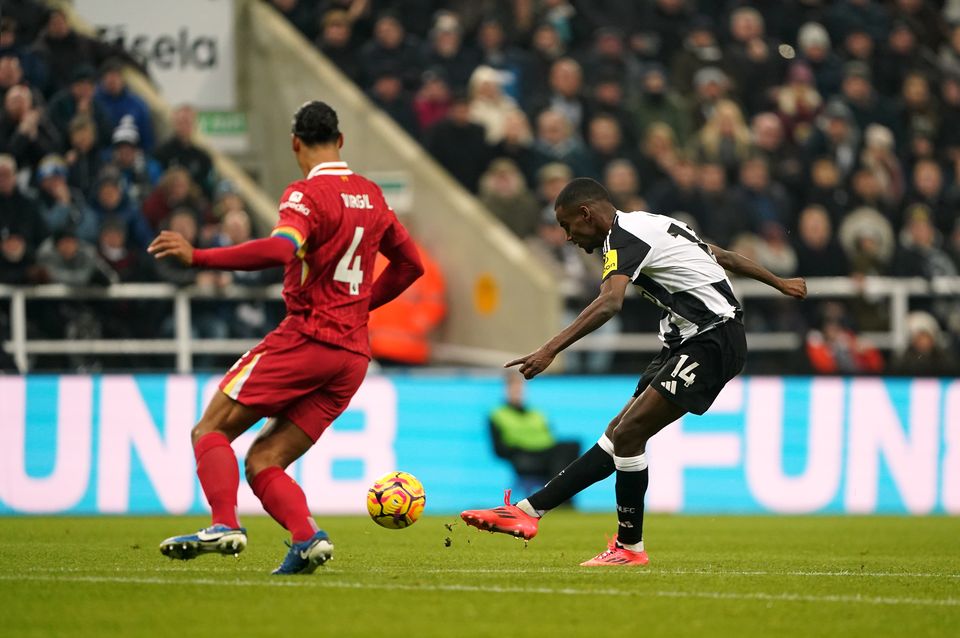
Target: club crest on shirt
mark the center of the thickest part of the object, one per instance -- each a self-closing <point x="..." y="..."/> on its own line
<point x="609" y="262"/>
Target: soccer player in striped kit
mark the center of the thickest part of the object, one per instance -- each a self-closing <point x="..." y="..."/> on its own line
<point x="303" y="374"/>
<point x="703" y="348"/>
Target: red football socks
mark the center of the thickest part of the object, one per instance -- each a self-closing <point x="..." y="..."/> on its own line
<point x="219" y="476"/>
<point x="285" y="502"/>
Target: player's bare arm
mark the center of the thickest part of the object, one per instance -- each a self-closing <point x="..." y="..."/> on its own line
<point x="607" y="304"/>
<point x="405" y="268"/>
<point x="256" y="254"/>
<point x="736" y="263"/>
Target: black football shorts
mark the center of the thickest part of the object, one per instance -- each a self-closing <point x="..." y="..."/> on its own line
<point x="692" y="374"/>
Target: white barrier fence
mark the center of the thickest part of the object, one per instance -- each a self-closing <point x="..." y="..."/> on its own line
<point x="896" y="291"/>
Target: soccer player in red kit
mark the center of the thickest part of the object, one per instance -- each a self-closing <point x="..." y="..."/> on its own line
<point x="303" y="374"/>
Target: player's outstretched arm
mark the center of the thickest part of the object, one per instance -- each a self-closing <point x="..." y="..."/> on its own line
<point x="405" y="268"/>
<point x="256" y="254"/>
<point x="737" y="263"/>
<point x="600" y="311"/>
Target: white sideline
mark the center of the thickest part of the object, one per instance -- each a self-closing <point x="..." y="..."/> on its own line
<point x="320" y="583"/>
<point x="846" y="573"/>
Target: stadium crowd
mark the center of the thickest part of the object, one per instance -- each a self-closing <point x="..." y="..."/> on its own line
<point x="819" y="138"/>
<point x="85" y="185"/>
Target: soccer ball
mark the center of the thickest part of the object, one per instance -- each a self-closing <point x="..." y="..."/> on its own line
<point x="396" y="500"/>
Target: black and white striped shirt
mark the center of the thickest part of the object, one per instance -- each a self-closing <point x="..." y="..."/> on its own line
<point x="672" y="268"/>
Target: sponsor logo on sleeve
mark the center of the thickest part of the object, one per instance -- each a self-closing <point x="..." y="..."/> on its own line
<point x="609" y="262"/>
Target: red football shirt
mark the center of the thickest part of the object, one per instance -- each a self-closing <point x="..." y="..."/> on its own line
<point x="337" y="220"/>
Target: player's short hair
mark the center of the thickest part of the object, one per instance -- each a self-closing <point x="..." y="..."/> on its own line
<point x="316" y="123"/>
<point x="581" y="190"/>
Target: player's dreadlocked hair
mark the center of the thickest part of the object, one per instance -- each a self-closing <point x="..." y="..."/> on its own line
<point x="316" y="123"/>
<point x="581" y="191"/>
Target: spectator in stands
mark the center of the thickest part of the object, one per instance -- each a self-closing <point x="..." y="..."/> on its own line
<point x="61" y="205"/>
<point x="775" y="252"/>
<point x="919" y="111"/>
<point x="847" y="16"/>
<point x="29" y="66"/>
<point x="771" y="143"/>
<point x="118" y="100"/>
<point x="902" y="53"/>
<point x="927" y="188"/>
<point x="868" y="241"/>
<point x="607" y="98"/>
<point x="948" y="59"/>
<point x="546" y="48"/>
<point x="432" y="100"/>
<point x="127" y="263"/>
<point x="710" y="86"/>
<point x="798" y="103"/>
<point x="10" y="73"/>
<point x="762" y="201"/>
<point x="138" y="171"/>
<point x="17" y="210"/>
<point x="175" y="191"/>
<point x="83" y="157"/>
<point x="668" y="19"/>
<point x="67" y="259"/>
<point x="336" y="42"/>
<point x="488" y="104"/>
<point x="926" y="355"/>
<point x="389" y="94"/>
<point x="752" y="59"/>
<point x="559" y="14"/>
<point x="725" y="138"/>
<point x="919" y="254"/>
<point x="866" y="190"/>
<point x="510" y="62"/>
<point x="814" y="44"/>
<point x="557" y="141"/>
<point x="836" y="137"/>
<point x="865" y="104"/>
<point x="180" y="150"/>
<point x="923" y="18"/>
<point x="78" y="99"/>
<point x="459" y="145"/>
<point x="837" y="349"/>
<point x="390" y="48"/>
<point x="183" y="221"/>
<point x="25" y="131"/>
<point x="609" y="56"/>
<point x="522" y="436"/>
<point x="818" y="252"/>
<point x="551" y="179"/>
<point x="722" y="220"/>
<point x="250" y="318"/>
<point x="302" y="14"/>
<point x="679" y="193"/>
<point x="826" y="188"/>
<point x="17" y="261"/>
<point x="64" y="50"/>
<point x="503" y="190"/>
<point x="622" y="182"/>
<point x="658" y="154"/>
<point x="110" y="201"/>
<point x="517" y="144"/>
<point x="700" y="50"/>
<point x="860" y="46"/>
<point x="566" y="94"/>
<point x="658" y="103"/>
<point x="605" y="142"/>
<point x="880" y="158"/>
<point x="445" y="49"/>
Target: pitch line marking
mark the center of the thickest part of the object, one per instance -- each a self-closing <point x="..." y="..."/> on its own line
<point x="564" y="591"/>
<point x="538" y="570"/>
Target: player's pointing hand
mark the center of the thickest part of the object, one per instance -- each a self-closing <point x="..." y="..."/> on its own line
<point x="532" y="364"/>
<point x="171" y="244"/>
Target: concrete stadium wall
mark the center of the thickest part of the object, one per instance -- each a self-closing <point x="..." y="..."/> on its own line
<point x="121" y="444"/>
<point x="500" y="302"/>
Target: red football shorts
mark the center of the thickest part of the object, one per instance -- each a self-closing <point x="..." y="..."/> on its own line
<point x="309" y="382"/>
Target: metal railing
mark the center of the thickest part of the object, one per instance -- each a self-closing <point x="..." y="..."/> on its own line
<point x="183" y="346"/>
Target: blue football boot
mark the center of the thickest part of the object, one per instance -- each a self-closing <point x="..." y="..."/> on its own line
<point x="216" y="539"/>
<point x="306" y="556"/>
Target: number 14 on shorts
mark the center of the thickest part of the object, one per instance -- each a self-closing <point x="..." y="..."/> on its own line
<point x="685" y="374"/>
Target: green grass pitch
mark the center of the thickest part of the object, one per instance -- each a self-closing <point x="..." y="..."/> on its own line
<point x="709" y="576"/>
